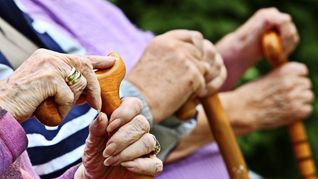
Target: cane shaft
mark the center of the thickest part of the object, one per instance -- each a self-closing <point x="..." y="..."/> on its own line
<point x="221" y="131"/>
<point x="224" y="136"/>
<point x="273" y="52"/>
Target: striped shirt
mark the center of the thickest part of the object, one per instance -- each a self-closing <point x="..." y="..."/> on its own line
<point x="54" y="149"/>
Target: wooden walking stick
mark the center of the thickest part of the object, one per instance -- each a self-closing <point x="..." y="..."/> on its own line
<point x="109" y="81"/>
<point x="273" y="51"/>
<point x="225" y="138"/>
<point x="222" y="132"/>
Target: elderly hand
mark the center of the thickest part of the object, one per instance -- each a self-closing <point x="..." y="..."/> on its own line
<point x="130" y="145"/>
<point x="279" y="98"/>
<point x="248" y="36"/>
<point x="43" y="75"/>
<point x="243" y="48"/>
<point x="175" y="66"/>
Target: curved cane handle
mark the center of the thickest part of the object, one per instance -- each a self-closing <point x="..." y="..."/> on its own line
<point x="109" y="81"/>
<point x="273" y="51"/>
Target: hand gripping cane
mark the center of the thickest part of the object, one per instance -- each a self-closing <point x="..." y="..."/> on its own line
<point x="273" y="51"/>
<point x="222" y="132"/>
<point x="109" y="81"/>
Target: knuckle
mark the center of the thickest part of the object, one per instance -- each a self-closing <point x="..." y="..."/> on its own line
<point x="142" y="123"/>
<point x="271" y="9"/>
<point x="137" y="103"/>
<point x="41" y="52"/>
<point x="197" y="34"/>
<point x="305" y="111"/>
<point x="158" y="166"/>
<point x="42" y="55"/>
<point x="287" y="83"/>
<point x="307" y="83"/>
<point x="302" y="68"/>
<point x="287" y="17"/>
<point x="148" y="142"/>
<point x="86" y="65"/>
<point x="180" y="55"/>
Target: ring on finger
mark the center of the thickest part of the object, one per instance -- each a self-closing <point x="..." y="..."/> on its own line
<point x="157" y="146"/>
<point x="73" y="77"/>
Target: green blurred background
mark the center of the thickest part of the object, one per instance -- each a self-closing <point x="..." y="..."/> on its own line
<point x="267" y="152"/>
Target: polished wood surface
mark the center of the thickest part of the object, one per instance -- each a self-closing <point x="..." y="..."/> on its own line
<point x="225" y="137"/>
<point x="109" y="81"/>
<point x="272" y="48"/>
<point x="222" y="132"/>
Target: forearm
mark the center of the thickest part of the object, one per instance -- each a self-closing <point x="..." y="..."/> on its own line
<point x="237" y="55"/>
<point x="202" y="135"/>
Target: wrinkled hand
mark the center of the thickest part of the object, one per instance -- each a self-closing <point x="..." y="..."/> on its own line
<point x="279" y="98"/>
<point x="248" y="37"/>
<point x="127" y="146"/>
<point x="175" y="66"/>
<point x="43" y="75"/>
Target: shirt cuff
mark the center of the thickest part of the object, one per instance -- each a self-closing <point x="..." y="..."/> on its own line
<point x="129" y="90"/>
<point x="171" y="131"/>
<point x="13" y="140"/>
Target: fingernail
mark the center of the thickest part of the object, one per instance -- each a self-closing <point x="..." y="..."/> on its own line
<point x="97" y="116"/>
<point x="105" y="155"/>
<point x="111" y="161"/>
<point x="110" y="149"/>
<point x="113" y="125"/>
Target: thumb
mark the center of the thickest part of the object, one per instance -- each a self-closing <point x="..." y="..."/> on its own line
<point x="98" y="126"/>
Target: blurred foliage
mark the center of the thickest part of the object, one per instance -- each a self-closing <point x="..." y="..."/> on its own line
<point x="267" y="152"/>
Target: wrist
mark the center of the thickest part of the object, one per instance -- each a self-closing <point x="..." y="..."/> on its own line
<point x="238" y="54"/>
<point x="239" y="115"/>
<point x="5" y="102"/>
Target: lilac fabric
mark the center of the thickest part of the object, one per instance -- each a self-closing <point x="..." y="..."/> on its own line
<point x="99" y="26"/>
<point x="14" y="160"/>
<point x="206" y="163"/>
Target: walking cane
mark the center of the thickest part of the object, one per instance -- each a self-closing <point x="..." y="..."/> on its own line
<point x="109" y="81"/>
<point x="272" y="48"/>
<point x="222" y="132"/>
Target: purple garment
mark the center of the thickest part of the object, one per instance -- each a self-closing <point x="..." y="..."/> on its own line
<point x="14" y="160"/>
<point x="99" y="26"/>
<point x="206" y="163"/>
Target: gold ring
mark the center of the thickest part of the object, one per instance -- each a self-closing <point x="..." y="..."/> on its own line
<point x="73" y="77"/>
<point x="157" y="146"/>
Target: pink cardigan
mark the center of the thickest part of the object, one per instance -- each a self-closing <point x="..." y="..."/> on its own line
<point x="14" y="160"/>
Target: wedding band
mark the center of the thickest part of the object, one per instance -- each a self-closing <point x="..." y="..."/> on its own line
<point x="157" y="146"/>
<point x="73" y="77"/>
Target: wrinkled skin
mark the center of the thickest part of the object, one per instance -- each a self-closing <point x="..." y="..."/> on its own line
<point x="130" y="141"/>
<point x="175" y="66"/>
<point x="242" y="48"/>
<point x="276" y="99"/>
<point x="43" y="75"/>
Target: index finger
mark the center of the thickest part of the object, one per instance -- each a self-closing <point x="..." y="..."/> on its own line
<point x="189" y="36"/>
<point x="101" y="62"/>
